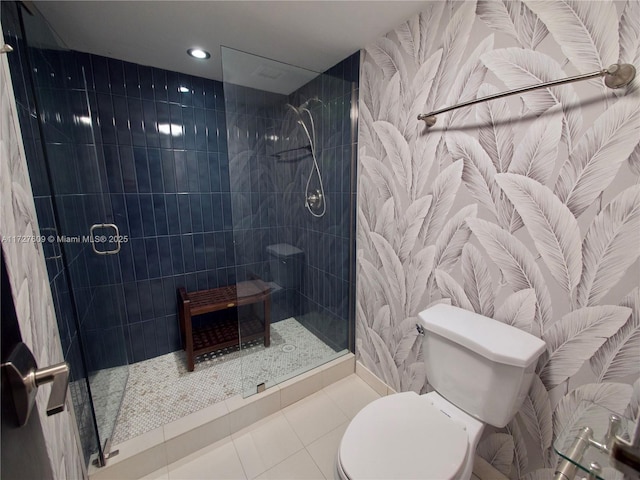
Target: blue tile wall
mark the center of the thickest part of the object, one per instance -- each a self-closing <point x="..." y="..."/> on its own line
<point x="268" y="195"/>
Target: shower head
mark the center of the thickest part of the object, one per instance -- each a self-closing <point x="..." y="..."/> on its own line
<point x="306" y="103"/>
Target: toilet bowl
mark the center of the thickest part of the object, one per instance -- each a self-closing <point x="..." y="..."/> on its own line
<point x="409" y="436"/>
<point x="480" y="369"/>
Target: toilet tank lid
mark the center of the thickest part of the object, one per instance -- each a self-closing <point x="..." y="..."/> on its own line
<point x="283" y="250"/>
<point x="490" y="338"/>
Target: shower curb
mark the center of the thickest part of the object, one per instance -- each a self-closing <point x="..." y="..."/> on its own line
<point x="158" y="448"/>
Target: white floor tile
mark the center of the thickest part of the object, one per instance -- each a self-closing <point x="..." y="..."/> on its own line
<point x="265" y="444"/>
<point x="314" y="416"/>
<point x="217" y="461"/>
<point x="351" y="394"/>
<point x="324" y="450"/>
<point x="161" y="474"/>
<point x="299" y="466"/>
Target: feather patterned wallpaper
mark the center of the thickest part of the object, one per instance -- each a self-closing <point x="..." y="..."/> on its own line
<point x="524" y="209"/>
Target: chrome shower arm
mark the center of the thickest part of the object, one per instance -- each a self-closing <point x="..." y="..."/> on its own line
<point x="616" y="76"/>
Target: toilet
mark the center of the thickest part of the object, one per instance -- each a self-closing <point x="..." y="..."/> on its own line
<point x="480" y="370"/>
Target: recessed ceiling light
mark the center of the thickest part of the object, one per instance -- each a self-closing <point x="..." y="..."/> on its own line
<point x="199" y="53"/>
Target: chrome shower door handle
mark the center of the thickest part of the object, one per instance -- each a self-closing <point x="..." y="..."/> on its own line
<point x="116" y="237"/>
<point x="24" y="378"/>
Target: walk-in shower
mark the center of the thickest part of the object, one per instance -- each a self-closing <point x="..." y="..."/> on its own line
<point x="186" y="168"/>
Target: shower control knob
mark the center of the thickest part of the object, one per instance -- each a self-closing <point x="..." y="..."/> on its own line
<point x="315" y="199"/>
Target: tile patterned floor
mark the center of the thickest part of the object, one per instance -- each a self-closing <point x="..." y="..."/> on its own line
<point x="308" y="434"/>
<point x="161" y="390"/>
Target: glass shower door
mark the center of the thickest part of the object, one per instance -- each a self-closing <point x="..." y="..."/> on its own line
<point x="82" y="237"/>
<point x="285" y="170"/>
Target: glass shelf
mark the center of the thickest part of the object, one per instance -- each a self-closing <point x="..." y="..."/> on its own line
<point x="596" y="417"/>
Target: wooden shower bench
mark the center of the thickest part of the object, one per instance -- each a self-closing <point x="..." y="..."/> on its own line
<point x="222" y="333"/>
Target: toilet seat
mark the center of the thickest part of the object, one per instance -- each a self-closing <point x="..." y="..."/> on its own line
<point x="403" y="436"/>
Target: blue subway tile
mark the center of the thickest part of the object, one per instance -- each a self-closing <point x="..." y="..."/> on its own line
<point x="173" y="86"/>
<point x="212" y="130"/>
<point x="100" y="74"/>
<point x="142" y="169"/>
<point x="160" y="214"/>
<point x="176" y="126"/>
<point x="164" y="124"/>
<point x="150" y="123"/>
<point x="134" y="216"/>
<point x="136" y="121"/>
<point x="173" y="216"/>
<point x="132" y="305"/>
<point x="177" y="261"/>
<point x="207" y="212"/>
<point x="136" y="337"/>
<point x="160" y="85"/>
<point x="164" y="250"/>
<point x="146" y="82"/>
<point x="185" y="91"/>
<point x="168" y="170"/>
<point x="146" y="300"/>
<point x="116" y="75"/>
<point x="139" y="259"/>
<point x="189" y="128"/>
<point x="107" y="120"/>
<point x="198" y="92"/>
<point x="180" y="165"/>
<point x="196" y="212"/>
<point x="131" y="80"/>
<point x="121" y="113"/>
<point x="188" y="253"/>
<point x="155" y="170"/>
<point x="148" y="215"/>
<point x="184" y="213"/>
<point x="153" y="257"/>
<point x="192" y="171"/>
<point x="128" y="169"/>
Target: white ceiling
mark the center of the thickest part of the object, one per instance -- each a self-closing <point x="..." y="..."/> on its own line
<point x="309" y="34"/>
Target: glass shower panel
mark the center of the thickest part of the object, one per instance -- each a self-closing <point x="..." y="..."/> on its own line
<point x="82" y="234"/>
<point x="290" y="214"/>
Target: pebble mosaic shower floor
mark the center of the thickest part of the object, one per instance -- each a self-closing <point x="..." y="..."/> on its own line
<point x="161" y="390"/>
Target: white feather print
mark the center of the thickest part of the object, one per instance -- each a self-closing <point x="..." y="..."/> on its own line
<point x="520" y="454"/>
<point x="380" y="176"/>
<point x="453" y="237"/>
<point x="594" y="162"/>
<point x="397" y="151"/>
<point x="633" y="410"/>
<point x="517" y="67"/>
<point x="620" y="354"/>
<point x="537" y="152"/>
<point x="420" y="88"/>
<point x="387" y="366"/>
<point x="585" y="31"/>
<point x="392" y="268"/>
<point x="452" y="289"/>
<point x="371" y="88"/>
<point x="535" y="414"/>
<point x="382" y="323"/>
<point x="429" y="20"/>
<point x="610" y="246"/>
<point x="612" y="396"/>
<point x="367" y="134"/>
<point x="516" y="263"/>
<point x="497" y="450"/>
<point x="478" y="173"/>
<point x="414" y="377"/>
<point x="390" y="106"/>
<point x="495" y="135"/>
<point x="575" y="338"/>
<point x="477" y="281"/>
<point x="410" y="225"/>
<point x="444" y="191"/>
<point x="424" y="153"/>
<point x="553" y="228"/>
<point x="387" y="56"/>
<point x="629" y="32"/>
<point x="406" y="349"/>
<point x="519" y="310"/>
<point x="531" y="30"/>
<point x="408" y="34"/>
<point x="378" y="285"/>
<point x="467" y="82"/>
<point x="386" y="221"/>
<point x="634" y="160"/>
<point x="455" y="39"/>
<point x="496" y="16"/>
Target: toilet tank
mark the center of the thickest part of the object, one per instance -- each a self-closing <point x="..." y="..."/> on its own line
<point x="286" y="262"/>
<point x="479" y="364"/>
